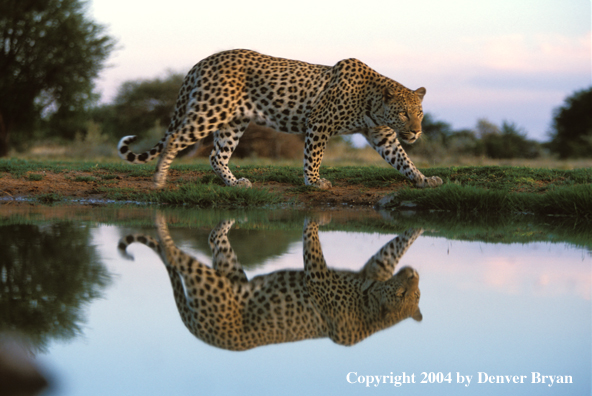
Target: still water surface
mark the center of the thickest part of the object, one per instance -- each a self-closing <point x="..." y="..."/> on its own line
<point x="102" y="324"/>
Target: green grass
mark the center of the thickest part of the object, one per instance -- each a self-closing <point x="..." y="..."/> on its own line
<point x="563" y="201"/>
<point x="490" y="177"/>
<point x="199" y="195"/>
<point x="280" y="174"/>
<point x="492" y="189"/>
<point x="213" y="195"/>
<point x="87" y="179"/>
<point x="519" y="179"/>
<point x="490" y="228"/>
<point x="19" y="167"/>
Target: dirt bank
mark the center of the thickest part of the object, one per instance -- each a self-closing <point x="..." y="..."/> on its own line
<point x="82" y="185"/>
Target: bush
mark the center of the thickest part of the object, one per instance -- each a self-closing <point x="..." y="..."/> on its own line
<point x="261" y="142"/>
<point x="439" y="140"/>
<point x="505" y="143"/>
<point x="571" y="133"/>
<point x="93" y="144"/>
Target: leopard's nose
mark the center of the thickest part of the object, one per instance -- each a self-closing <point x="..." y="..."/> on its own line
<point x="410" y="273"/>
<point x="413" y="136"/>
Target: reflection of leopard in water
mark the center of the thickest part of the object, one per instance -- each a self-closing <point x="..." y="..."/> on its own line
<point x="223" y="308"/>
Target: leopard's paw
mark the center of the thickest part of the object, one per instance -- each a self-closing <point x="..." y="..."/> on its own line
<point x="243" y="183"/>
<point x="323" y="184"/>
<point x="159" y="182"/>
<point x="320" y="218"/>
<point x="433" y="181"/>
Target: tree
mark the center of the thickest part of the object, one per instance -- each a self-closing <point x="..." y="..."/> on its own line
<point x="50" y="54"/>
<point x="140" y="105"/>
<point x="435" y="129"/>
<point x="571" y="132"/>
<point x="462" y="142"/>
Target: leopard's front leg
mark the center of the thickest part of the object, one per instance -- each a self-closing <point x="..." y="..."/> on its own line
<point x="382" y="265"/>
<point x="224" y="259"/>
<point x="384" y="140"/>
<point x="315" y="266"/>
<point x="314" y="148"/>
<point x="225" y="142"/>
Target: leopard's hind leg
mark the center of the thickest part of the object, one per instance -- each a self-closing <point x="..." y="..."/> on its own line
<point x="194" y="128"/>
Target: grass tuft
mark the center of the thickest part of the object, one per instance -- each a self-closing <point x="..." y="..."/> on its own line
<point x="87" y="179"/>
<point x="201" y="195"/>
<point x="35" y="177"/>
<point x="564" y="201"/>
<point x="210" y="195"/>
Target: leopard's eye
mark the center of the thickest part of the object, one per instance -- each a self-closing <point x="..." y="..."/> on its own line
<point x="404" y="116"/>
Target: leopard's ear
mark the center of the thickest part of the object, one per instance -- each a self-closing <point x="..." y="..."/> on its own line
<point x="417" y="316"/>
<point x="420" y="92"/>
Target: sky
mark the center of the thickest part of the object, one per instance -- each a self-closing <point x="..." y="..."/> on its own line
<point x="503" y="60"/>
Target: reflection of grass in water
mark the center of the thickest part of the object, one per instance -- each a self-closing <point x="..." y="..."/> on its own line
<point x="494" y="228"/>
<point x="253" y="246"/>
<point x="49" y="198"/>
<point x="194" y="225"/>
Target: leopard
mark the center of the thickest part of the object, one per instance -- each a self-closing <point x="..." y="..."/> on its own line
<point x="220" y="306"/>
<point x="225" y="92"/>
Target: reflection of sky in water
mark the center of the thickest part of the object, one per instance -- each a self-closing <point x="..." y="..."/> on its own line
<point x="499" y="309"/>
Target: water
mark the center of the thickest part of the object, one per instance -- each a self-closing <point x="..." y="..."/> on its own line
<point x="102" y="324"/>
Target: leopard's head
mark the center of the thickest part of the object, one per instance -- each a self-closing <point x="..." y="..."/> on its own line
<point x="399" y="297"/>
<point x="403" y="111"/>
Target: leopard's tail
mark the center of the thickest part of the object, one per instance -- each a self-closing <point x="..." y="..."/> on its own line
<point x="139" y="238"/>
<point x="126" y="153"/>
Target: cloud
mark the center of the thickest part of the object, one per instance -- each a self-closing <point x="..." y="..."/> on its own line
<point x="511" y="54"/>
<point x="534" y="82"/>
<point x="531" y="269"/>
<point x="536" y="53"/>
<point x="520" y="77"/>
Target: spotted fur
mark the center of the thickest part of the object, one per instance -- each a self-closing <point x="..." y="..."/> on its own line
<point x="223" y="308"/>
<point x="225" y="92"/>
